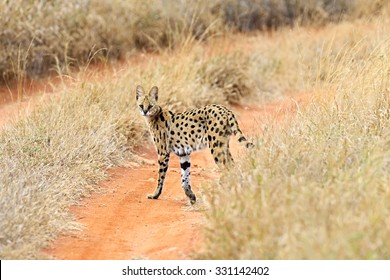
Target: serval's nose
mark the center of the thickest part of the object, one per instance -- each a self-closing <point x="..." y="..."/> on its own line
<point x="145" y="111"/>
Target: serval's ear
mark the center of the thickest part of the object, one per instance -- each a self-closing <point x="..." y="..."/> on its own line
<point x="154" y="93"/>
<point x="139" y="92"/>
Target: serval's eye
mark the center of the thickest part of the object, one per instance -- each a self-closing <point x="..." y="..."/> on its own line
<point x="149" y="107"/>
<point x="142" y="107"/>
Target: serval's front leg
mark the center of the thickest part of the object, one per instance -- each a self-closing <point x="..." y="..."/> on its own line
<point x="163" y="161"/>
<point x="185" y="177"/>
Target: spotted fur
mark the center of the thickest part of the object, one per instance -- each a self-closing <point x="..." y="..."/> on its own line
<point x="183" y="133"/>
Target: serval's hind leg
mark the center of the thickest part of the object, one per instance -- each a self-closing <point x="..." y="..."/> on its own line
<point x="221" y="154"/>
<point x="185" y="165"/>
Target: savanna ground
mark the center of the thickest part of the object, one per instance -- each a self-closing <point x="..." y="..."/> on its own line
<point x="316" y="185"/>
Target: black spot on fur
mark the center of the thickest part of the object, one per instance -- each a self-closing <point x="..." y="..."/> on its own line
<point x="163" y="170"/>
<point x="185" y="165"/>
<point x="249" y="145"/>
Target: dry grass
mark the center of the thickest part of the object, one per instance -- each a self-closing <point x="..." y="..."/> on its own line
<point x="317" y="185"/>
<point x="39" y="36"/>
<point x="54" y="157"/>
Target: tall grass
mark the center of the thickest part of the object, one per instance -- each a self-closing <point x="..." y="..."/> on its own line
<point x="37" y="35"/>
<point x="317" y="185"/>
<point x="52" y="159"/>
<point x="68" y="33"/>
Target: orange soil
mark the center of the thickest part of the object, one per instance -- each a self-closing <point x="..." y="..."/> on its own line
<point x="124" y="224"/>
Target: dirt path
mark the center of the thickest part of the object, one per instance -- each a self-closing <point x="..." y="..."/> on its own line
<point x="123" y="224"/>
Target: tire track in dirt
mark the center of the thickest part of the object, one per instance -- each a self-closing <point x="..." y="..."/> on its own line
<point x="123" y="224"/>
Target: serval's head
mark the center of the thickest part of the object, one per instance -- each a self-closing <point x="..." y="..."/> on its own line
<point x="147" y="103"/>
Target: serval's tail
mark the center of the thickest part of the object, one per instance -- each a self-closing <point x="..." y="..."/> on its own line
<point x="237" y="131"/>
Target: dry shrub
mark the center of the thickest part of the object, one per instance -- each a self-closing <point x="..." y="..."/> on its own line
<point x="248" y="15"/>
<point x="38" y="35"/>
<point x="372" y="8"/>
<point x="228" y="74"/>
<point x="161" y="25"/>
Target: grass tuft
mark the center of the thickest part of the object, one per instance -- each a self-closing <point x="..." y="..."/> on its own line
<point x="228" y="74"/>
